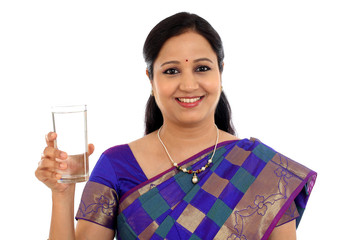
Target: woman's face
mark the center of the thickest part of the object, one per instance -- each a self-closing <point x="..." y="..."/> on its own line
<point x="186" y="80"/>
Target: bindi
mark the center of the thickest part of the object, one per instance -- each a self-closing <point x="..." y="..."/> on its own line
<point x="186" y="60"/>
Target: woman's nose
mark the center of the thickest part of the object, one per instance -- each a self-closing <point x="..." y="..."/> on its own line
<point x="188" y="82"/>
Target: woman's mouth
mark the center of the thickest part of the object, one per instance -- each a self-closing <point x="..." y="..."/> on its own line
<point x="189" y="102"/>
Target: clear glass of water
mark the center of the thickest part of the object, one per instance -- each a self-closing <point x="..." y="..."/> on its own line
<point x="70" y="125"/>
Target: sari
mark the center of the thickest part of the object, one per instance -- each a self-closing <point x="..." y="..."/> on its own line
<point x="246" y="192"/>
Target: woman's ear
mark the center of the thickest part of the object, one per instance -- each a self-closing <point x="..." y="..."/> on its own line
<point x="221" y="72"/>
<point x="151" y="82"/>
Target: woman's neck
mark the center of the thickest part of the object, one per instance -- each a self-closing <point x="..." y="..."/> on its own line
<point x="188" y="139"/>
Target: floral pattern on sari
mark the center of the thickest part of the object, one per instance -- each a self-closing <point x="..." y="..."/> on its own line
<point x="98" y="204"/>
<point x="104" y="204"/>
<point x="262" y="203"/>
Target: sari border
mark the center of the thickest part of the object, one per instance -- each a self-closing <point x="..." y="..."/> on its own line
<point x="287" y="205"/>
<point x="89" y="220"/>
<point x="173" y="168"/>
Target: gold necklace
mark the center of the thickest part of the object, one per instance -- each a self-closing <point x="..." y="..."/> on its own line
<point x="195" y="178"/>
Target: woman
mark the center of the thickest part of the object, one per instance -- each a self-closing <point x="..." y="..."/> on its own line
<point x="189" y="177"/>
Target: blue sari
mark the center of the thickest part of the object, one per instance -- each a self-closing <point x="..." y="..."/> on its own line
<point x="248" y="190"/>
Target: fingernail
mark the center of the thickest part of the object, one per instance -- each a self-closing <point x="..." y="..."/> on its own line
<point x="63" y="155"/>
<point x="62" y="165"/>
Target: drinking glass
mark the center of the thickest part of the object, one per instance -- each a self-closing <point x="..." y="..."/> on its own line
<point x="70" y="125"/>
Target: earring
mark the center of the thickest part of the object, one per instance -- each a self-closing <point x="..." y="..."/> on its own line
<point x="222" y="88"/>
<point x="152" y="93"/>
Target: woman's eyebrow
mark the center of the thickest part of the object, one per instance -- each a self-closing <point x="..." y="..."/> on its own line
<point x="202" y="59"/>
<point x="178" y="62"/>
<point x="170" y="62"/>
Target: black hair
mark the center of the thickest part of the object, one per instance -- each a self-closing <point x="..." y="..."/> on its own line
<point x="174" y="26"/>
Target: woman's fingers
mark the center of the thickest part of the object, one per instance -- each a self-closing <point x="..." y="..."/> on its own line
<point x="47" y="176"/>
<point x="50" y="138"/>
<point x="46" y="163"/>
<point x="48" y="170"/>
<point x="53" y="153"/>
<point x="50" y="164"/>
<point x="48" y="167"/>
<point x="91" y="148"/>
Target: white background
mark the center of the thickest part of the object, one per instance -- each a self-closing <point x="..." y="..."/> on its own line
<point x="290" y="74"/>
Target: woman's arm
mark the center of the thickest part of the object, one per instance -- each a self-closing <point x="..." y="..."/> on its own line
<point x="62" y="223"/>
<point x="89" y="230"/>
<point x="286" y="231"/>
<point x="62" y="218"/>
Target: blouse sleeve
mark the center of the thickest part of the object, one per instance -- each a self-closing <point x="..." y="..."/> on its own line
<point x="99" y="201"/>
<point x="297" y="207"/>
<point x="290" y="214"/>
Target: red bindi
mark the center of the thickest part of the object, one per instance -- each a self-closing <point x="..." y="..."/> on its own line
<point x="186" y="60"/>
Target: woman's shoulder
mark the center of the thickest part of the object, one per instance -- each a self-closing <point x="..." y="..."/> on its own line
<point x="225" y="136"/>
<point x="124" y="152"/>
<point x="143" y="144"/>
<point x="122" y="160"/>
<point x="118" y="169"/>
<point x="127" y="148"/>
<point x="116" y="149"/>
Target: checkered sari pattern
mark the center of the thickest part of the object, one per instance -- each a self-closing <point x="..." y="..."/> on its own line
<point x="172" y="207"/>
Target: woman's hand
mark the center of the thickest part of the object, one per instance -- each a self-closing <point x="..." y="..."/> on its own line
<point x="47" y="171"/>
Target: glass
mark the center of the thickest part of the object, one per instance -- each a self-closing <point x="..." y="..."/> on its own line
<point x="70" y="125"/>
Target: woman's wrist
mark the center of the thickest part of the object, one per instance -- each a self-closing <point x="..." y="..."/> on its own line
<point x="62" y="219"/>
<point x="68" y="193"/>
<point x="64" y="200"/>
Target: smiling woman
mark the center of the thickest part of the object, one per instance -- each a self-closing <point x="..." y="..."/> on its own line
<point x="154" y="45"/>
<point x="189" y="177"/>
<point x="186" y="92"/>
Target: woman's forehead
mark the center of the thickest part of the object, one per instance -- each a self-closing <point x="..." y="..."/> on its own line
<point x="186" y="46"/>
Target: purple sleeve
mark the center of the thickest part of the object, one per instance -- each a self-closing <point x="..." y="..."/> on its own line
<point x="115" y="173"/>
<point x="289" y="215"/>
<point x="99" y="202"/>
<point x="104" y="172"/>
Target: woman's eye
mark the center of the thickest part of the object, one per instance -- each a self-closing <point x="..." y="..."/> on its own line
<point x="171" y="71"/>
<point x="202" y="69"/>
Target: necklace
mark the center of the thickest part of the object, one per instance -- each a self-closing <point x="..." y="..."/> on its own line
<point x="195" y="178"/>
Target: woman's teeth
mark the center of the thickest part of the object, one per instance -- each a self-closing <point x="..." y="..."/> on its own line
<point x="189" y="100"/>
